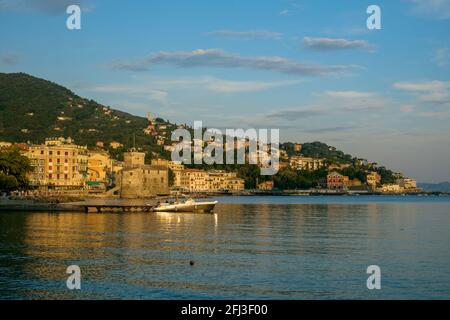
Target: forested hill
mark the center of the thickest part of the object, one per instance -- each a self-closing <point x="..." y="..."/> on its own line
<point x="32" y="109"/>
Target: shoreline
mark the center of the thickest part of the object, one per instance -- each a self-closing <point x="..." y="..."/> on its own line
<point x="79" y="206"/>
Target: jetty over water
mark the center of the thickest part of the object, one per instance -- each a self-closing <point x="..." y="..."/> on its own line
<point x="92" y="205"/>
<point x="117" y="208"/>
<point x="116" y="205"/>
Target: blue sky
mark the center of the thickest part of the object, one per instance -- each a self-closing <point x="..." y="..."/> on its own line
<point x="310" y="68"/>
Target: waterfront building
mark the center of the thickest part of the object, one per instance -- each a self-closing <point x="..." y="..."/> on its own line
<point x="354" y="183"/>
<point x="407" y="183"/>
<point x="223" y="180"/>
<point x="138" y="180"/>
<point x="306" y="163"/>
<point x="391" y="188"/>
<point x="265" y="185"/>
<point x="373" y="180"/>
<point x="59" y="163"/>
<point x="194" y="180"/>
<point x="335" y="181"/>
<point x="99" y="167"/>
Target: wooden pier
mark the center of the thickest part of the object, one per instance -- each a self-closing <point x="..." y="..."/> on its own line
<point x="118" y="207"/>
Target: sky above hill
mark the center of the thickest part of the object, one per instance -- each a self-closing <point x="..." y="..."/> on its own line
<point x="310" y="68"/>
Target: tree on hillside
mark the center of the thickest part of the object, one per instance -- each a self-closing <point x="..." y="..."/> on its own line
<point x="14" y="169"/>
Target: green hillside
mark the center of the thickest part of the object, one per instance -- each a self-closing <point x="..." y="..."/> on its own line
<point x="32" y="109"/>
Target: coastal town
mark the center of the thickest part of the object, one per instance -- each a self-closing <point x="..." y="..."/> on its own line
<point x="85" y="149"/>
<point x="60" y="166"/>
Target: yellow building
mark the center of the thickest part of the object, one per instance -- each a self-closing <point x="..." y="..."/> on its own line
<point x="194" y="180"/>
<point x="373" y="180"/>
<point x="407" y="183"/>
<point x="222" y="180"/>
<point x="355" y="182"/>
<point x="58" y="162"/>
<point x="265" y="185"/>
<point x="306" y="163"/>
<point x="99" y="165"/>
<point x="391" y="188"/>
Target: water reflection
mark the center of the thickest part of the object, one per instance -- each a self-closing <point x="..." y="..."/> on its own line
<point x="242" y="251"/>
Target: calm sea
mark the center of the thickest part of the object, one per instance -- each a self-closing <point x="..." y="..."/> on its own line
<point x="251" y="248"/>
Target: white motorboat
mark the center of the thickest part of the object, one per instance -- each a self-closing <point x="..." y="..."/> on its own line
<point x="189" y="205"/>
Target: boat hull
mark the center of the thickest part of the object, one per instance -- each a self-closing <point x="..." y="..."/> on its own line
<point x="188" y="207"/>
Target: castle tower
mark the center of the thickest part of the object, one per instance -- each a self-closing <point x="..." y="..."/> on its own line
<point x="134" y="159"/>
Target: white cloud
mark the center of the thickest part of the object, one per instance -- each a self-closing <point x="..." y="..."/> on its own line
<point x="429" y="91"/>
<point x="219" y="58"/>
<point x="158" y="89"/>
<point x="244" y="86"/>
<point x="147" y="92"/>
<point x="436" y="9"/>
<point x="348" y="94"/>
<point x="441" y="57"/>
<point x="220" y="85"/>
<point x="422" y="86"/>
<point x="325" y="44"/>
<point x="285" y="13"/>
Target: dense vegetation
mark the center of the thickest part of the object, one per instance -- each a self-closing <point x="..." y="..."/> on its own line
<point x="14" y="168"/>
